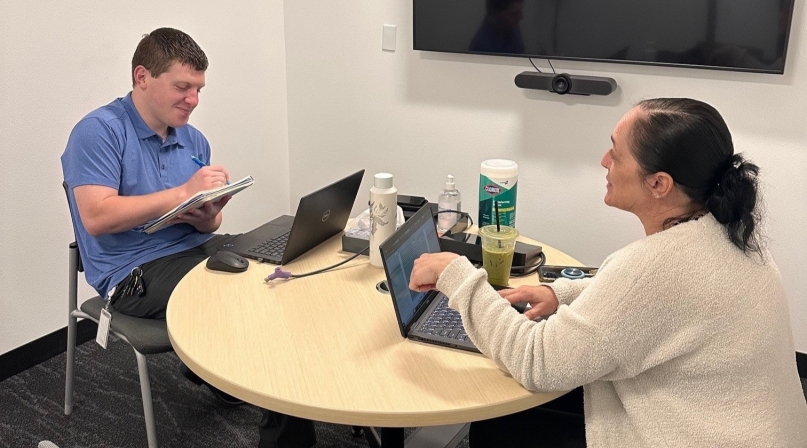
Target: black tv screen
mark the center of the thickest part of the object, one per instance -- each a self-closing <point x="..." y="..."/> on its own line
<point x="741" y="35"/>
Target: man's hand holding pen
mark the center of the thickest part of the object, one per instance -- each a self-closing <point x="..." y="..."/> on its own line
<point x="207" y="178"/>
<point x="205" y="218"/>
<point x="203" y="165"/>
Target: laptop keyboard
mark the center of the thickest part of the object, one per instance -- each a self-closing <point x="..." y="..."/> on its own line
<point x="273" y="247"/>
<point x="445" y="322"/>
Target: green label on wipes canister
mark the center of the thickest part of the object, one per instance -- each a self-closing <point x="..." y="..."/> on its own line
<point x="504" y="192"/>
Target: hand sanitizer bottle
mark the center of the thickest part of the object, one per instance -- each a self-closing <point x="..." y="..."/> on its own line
<point x="383" y="214"/>
<point x="449" y="199"/>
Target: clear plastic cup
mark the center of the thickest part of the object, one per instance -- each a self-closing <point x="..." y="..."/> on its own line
<point x="498" y="246"/>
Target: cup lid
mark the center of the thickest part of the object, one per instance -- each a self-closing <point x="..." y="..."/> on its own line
<point x="504" y="232"/>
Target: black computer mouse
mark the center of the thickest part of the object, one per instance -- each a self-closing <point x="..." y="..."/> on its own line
<point x="226" y="261"/>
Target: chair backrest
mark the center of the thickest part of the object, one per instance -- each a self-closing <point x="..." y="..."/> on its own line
<point x="73" y="219"/>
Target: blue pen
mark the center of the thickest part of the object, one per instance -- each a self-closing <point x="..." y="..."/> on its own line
<point x="197" y="161"/>
<point x="201" y="164"/>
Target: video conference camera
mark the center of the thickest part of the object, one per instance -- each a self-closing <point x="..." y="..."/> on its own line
<point x="563" y="83"/>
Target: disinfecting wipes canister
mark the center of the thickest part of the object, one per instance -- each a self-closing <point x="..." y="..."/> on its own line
<point x="498" y="180"/>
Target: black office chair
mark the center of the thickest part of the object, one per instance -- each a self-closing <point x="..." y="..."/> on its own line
<point x="146" y="336"/>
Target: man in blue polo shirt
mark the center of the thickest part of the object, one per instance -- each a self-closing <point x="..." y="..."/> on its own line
<point x="131" y="161"/>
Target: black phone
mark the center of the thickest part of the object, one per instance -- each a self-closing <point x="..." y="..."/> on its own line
<point x="548" y="274"/>
<point x="411" y="204"/>
<point x="412" y="201"/>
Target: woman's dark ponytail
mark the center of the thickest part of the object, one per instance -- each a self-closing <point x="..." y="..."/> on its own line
<point x="689" y="140"/>
<point x="734" y="202"/>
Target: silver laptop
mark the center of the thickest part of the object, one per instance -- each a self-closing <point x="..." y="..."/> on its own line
<point x="320" y="215"/>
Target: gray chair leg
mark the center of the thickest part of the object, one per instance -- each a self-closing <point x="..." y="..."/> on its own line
<point x="71" y="362"/>
<point x="72" y="305"/>
<point x="148" y="407"/>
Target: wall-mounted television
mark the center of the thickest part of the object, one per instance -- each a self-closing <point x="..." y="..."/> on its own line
<point x="739" y="35"/>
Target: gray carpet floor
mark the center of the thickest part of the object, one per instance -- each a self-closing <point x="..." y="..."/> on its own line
<point x="108" y="410"/>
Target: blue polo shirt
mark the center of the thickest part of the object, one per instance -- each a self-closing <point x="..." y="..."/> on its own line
<point x="112" y="146"/>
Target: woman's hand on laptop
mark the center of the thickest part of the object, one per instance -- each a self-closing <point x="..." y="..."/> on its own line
<point x="427" y="270"/>
<point x="542" y="299"/>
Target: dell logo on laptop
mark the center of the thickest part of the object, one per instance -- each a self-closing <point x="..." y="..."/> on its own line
<point x="326" y="215"/>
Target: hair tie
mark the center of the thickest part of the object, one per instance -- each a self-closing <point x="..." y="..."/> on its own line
<point x="730" y="165"/>
<point x="725" y="169"/>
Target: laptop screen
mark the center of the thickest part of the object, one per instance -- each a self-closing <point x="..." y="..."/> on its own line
<point x="416" y="237"/>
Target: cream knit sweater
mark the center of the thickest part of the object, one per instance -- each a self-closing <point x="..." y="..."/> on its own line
<point x="681" y="340"/>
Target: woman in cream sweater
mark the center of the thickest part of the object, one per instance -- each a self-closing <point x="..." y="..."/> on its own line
<point x="682" y="338"/>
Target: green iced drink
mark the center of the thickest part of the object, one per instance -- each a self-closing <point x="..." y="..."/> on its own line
<point x="497" y="252"/>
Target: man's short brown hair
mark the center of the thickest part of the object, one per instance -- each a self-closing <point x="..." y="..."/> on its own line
<point x="164" y="46"/>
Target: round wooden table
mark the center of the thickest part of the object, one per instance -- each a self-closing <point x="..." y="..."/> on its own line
<point x="328" y="347"/>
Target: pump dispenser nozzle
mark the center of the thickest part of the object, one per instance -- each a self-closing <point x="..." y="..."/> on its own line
<point x="450" y="183"/>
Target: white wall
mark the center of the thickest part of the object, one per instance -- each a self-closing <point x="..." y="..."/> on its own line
<point x="424" y="115"/>
<point x="350" y="105"/>
<point x="60" y="60"/>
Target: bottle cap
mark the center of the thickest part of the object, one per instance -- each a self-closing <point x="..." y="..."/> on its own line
<point x="450" y="183"/>
<point x="382" y="180"/>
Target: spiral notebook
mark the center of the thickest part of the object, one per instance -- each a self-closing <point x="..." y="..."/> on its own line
<point x="198" y="200"/>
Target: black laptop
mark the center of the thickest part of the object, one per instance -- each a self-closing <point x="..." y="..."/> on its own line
<point x="422" y="316"/>
<point x="320" y="215"/>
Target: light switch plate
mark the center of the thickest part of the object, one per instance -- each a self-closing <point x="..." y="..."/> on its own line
<point x="388" y="38"/>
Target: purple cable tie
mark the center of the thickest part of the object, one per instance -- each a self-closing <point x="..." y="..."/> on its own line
<point x="279" y="273"/>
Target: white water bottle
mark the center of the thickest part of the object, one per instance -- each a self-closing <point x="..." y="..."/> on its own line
<point x="449" y="199"/>
<point x="383" y="214"/>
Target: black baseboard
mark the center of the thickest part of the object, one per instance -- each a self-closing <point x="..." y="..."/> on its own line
<point x="44" y="348"/>
<point x="801" y="364"/>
